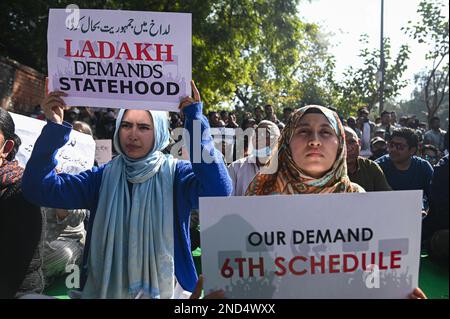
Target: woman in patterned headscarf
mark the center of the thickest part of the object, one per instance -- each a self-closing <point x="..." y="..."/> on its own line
<point x="311" y="157"/>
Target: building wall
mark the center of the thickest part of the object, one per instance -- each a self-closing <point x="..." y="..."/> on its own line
<point x="21" y="88"/>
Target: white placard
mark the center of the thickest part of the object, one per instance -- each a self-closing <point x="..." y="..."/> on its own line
<point x="103" y="151"/>
<point x="120" y="58"/>
<point x="75" y="156"/>
<point x="312" y="246"/>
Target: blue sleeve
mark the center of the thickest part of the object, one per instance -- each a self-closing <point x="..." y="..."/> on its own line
<point x="42" y="186"/>
<point x="206" y="175"/>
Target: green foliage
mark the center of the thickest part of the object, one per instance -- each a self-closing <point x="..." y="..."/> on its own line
<point x="360" y="86"/>
<point x="416" y="105"/>
<point x="245" y="52"/>
<point x="432" y="30"/>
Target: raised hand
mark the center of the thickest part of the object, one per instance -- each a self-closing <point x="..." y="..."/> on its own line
<point x="188" y="100"/>
<point x="53" y="106"/>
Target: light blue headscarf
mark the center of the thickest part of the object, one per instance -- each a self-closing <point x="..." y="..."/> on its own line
<point x="132" y="243"/>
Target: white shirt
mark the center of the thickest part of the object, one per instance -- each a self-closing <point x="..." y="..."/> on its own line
<point x="365" y="141"/>
<point x="242" y="173"/>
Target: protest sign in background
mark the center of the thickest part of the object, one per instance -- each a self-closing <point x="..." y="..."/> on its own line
<point x="75" y="156"/>
<point x="312" y="246"/>
<point x="119" y="58"/>
<point x="103" y="151"/>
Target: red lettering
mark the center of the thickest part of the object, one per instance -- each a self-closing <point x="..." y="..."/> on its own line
<point x="381" y="265"/>
<point x="365" y="265"/>
<point x="124" y="50"/>
<point x="279" y="263"/>
<point x="333" y="263"/>
<point x="68" y="50"/>
<point x="143" y="51"/>
<point x="101" y="45"/>
<point x="227" y="271"/>
<point x="87" y="48"/>
<point x="291" y="266"/>
<point x="240" y="262"/>
<point x="107" y="50"/>
<point x="394" y="258"/>
<point x="321" y="263"/>
<point x="355" y="263"/>
<point x="372" y="258"/>
<point x="252" y="266"/>
<point x="168" y="52"/>
<point x="363" y="262"/>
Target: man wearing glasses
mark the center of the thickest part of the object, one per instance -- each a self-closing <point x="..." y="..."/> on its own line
<point x="404" y="170"/>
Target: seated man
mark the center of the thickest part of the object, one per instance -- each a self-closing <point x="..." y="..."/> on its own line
<point x="378" y="147"/>
<point x="380" y="132"/>
<point x="367" y="129"/>
<point x="430" y="153"/>
<point x="435" y="225"/>
<point x="404" y="170"/>
<point x="64" y="241"/>
<point x="244" y="170"/>
<point x="362" y="171"/>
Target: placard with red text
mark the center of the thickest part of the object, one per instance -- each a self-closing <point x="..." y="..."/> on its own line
<point x="119" y="58"/>
<point x="364" y="245"/>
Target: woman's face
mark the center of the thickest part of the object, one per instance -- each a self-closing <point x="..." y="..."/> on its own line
<point x="136" y="133"/>
<point x="314" y="145"/>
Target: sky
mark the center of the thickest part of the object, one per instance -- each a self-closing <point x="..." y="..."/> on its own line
<point x="348" y="19"/>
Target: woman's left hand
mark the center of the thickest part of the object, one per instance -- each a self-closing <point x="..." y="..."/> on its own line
<point x="218" y="294"/>
<point x="188" y="100"/>
<point x="417" y="294"/>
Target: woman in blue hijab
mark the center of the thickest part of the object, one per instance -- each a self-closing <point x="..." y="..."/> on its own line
<point x="138" y="243"/>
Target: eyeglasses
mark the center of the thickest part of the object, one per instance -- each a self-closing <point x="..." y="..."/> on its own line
<point x="398" y="146"/>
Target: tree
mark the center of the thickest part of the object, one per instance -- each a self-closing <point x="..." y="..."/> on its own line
<point x="245" y="52"/>
<point x="293" y="83"/>
<point x="359" y="88"/>
<point x="416" y="105"/>
<point x="432" y="30"/>
<point x="23" y="29"/>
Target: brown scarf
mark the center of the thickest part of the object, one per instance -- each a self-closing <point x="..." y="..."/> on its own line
<point x="290" y="179"/>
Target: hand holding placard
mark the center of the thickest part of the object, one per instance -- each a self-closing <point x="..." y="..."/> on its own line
<point x="53" y="107"/>
<point x="188" y="100"/>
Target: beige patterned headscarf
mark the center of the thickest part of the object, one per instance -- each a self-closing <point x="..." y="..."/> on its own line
<point x="291" y="179"/>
